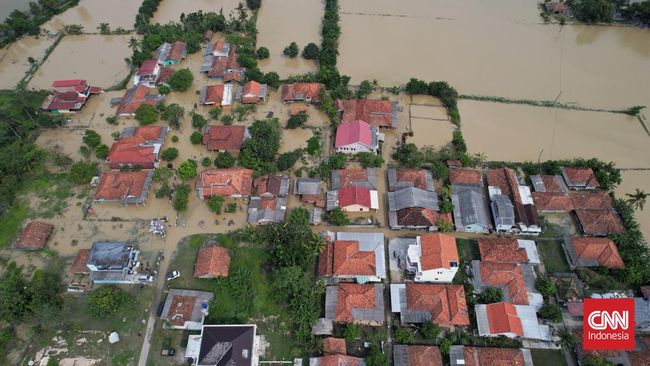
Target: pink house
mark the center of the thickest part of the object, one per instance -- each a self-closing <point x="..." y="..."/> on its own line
<point x="356" y="136"/>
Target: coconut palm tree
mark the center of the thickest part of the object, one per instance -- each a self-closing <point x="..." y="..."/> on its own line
<point x="133" y="43"/>
<point x="637" y="199"/>
<point x="104" y="28"/>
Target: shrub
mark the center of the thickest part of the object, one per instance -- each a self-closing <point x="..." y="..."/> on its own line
<point x="262" y="53"/>
<point x="253" y="4"/>
<point x="224" y="160"/>
<point x="337" y="217"/>
<point x="490" y="295"/>
<point x="403" y="336"/>
<point x="291" y="50"/>
<point x="288" y="160"/>
<point x="163" y="191"/>
<point x="313" y="145"/>
<point x="206" y="162"/>
<point x="369" y="160"/>
<point x="311" y="51"/>
<point x="227" y="119"/>
<point x="92" y="139"/>
<point x="164" y="89"/>
<point x="297" y="120"/>
<point x="446" y="206"/>
<point x="169" y="154"/>
<point x="111" y="120"/>
<point x="364" y="89"/>
<point x="215" y="204"/>
<point x="82" y="172"/>
<point x="545" y="286"/>
<point x="231" y="208"/>
<point x="181" y="197"/>
<point x="445" y="226"/>
<point x="181" y="80"/>
<point x="352" y="332"/>
<point x="174" y="138"/>
<point x="187" y="170"/>
<point x="408" y="155"/>
<point x="107" y="300"/>
<point x="101" y="152"/>
<point x="215" y="113"/>
<point x="146" y="114"/>
<point x="550" y="312"/>
<point x="196" y="138"/>
<point x="174" y="115"/>
<point x="247" y="61"/>
<point x="430" y="331"/>
<point x="198" y="121"/>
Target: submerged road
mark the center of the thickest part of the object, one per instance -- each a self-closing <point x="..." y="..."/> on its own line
<point x="151" y="322"/>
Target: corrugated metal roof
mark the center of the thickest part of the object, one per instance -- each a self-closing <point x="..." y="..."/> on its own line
<point x="470" y="207"/>
<point x="530" y="324"/>
<point x="331" y="298"/>
<point x="332" y="200"/>
<point x="377" y="313"/>
<point x="368" y="242"/>
<point x="400" y="355"/>
<point x="412" y="197"/>
<point x="457" y="356"/>
<point x="307" y="186"/>
<point x="502" y="210"/>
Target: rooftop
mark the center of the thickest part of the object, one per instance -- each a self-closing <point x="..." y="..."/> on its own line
<point x="438" y="251"/>
<point x="225" y="182"/>
<point x="502" y="318"/>
<point x="110" y="255"/>
<point x="34" y="235"/>
<point x="212" y="261"/>
<point x="490" y="356"/>
<point x="300" y="91"/>
<point x="592" y="252"/>
<point x="577" y="177"/>
<point x="228" y="345"/>
<point x="355" y="196"/>
<point x="344" y="258"/>
<point x="416" y="355"/>
<point x="272" y="184"/>
<point x="127" y="186"/>
<point x="549" y="183"/>
<point x="506" y="275"/>
<point x="444" y="304"/>
<point x="600" y="222"/>
<point x="405" y="178"/>
<point x="79" y="265"/>
<point x="225" y="138"/>
<point x="334" y="346"/>
<point x="183" y="308"/>
<point x="342" y="178"/>
<point x="352" y="132"/>
<point x="465" y="176"/>
<point x="506" y="250"/>
<point x="552" y="201"/>
<point x="136" y="96"/>
<point x="381" y="113"/>
<point x="351" y="302"/>
<point x="598" y="200"/>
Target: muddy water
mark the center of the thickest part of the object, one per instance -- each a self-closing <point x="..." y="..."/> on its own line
<point x="281" y="22"/>
<point x="631" y="181"/>
<point x="494" y="48"/>
<point x="170" y="10"/>
<point x="427" y="132"/>
<point x="85" y="57"/>
<point x="519" y="132"/>
<point x="13" y="58"/>
<point x="89" y="13"/>
<point x="7" y="6"/>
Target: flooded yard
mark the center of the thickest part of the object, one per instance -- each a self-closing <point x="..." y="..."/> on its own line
<point x="14" y="58"/>
<point x="170" y="10"/>
<point x="89" y="13"/>
<point x="281" y="22"/>
<point x="494" y="48"/>
<point x="427" y="132"/>
<point x="511" y="132"/>
<point x="85" y="57"/>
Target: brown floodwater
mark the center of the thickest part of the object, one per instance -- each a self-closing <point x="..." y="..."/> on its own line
<point x="520" y="132"/>
<point x="170" y="10"/>
<point x="89" y="13"/>
<point x="494" y="48"/>
<point x="633" y="179"/>
<point x="96" y="58"/>
<point x="281" y="22"/>
<point x="13" y="58"/>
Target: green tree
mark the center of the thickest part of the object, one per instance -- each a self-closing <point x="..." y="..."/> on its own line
<point x="206" y="161"/>
<point x="567" y="340"/>
<point x="164" y="89"/>
<point x="14" y="295"/>
<point x="101" y="152"/>
<point x="311" y="51"/>
<point x="408" y="155"/>
<point x="82" y="172"/>
<point x="196" y="138"/>
<point x="352" y="332"/>
<point x="403" y="336"/>
<point x="430" y="331"/>
<point x="545" y="286"/>
<point x="445" y="226"/>
<point x="146" y="114"/>
<point x="297" y="120"/>
<point x="104" y="28"/>
<point x="291" y="50"/>
<point x="169" y="154"/>
<point x="369" y="159"/>
<point x="215" y="113"/>
<point x="107" y="300"/>
<point x="365" y="88"/>
<point x="174" y="115"/>
<point x="262" y="53"/>
<point x="253" y="4"/>
<point x="247" y="61"/>
<point x="73" y="29"/>
<point x="224" y="160"/>
<point x="287" y="160"/>
<point x="594" y="11"/>
<point x="637" y="199"/>
<point x="198" y="121"/>
<point x="313" y="145"/>
<point x="215" y="204"/>
<point x="551" y="312"/>
<point x="231" y="207"/>
<point x="263" y="144"/>
<point x="490" y="295"/>
<point x="376" y="357"/>
<point x="181" y="197"/>
<point x="181" y="80"/>
<point x="187" y="170"/>
<point x="338" y="217"/>
<point x="92" y="139"/>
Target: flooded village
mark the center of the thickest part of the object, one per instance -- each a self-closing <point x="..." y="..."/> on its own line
<point x="333" y="182"/>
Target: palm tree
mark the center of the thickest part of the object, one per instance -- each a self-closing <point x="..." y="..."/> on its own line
<point x="104" y="28"/>
<point x="133" y="43"/>
<point x="637" y="199"/>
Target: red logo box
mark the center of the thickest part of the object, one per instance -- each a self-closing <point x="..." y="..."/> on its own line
<point x="608" y="324"/>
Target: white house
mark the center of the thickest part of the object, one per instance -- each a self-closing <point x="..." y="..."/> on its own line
<point x="433" y="258"/>
<point x="356" y="136"/>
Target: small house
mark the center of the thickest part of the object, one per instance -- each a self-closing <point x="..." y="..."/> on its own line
<point x="231" y="182"/>
<point x="433" y="258"/>
<point x="470" y="208"/>
<point x="252" y="93"/>
<point x="225" y="138"/>
<point x="34" y="235"/>
<point x="137" y="147"/>
<point x="508" y="250"/>
<point x="113" y="262"/>
<point x="124" y="187"/>
<point x="219" y="345"/>
<point x="262" y="210"/>
<point x="216" y="95"/>
<point x="355" y="137"/>
<point x="355" y="303"/>
<point x="592" y="252"/>
<point x="171" y="53"/>
<point x="416" y="355"/>
<point x="516" y="280"/>
<point x="420" y="303"/>
<point x="69" y="96"/>
<point x="185" y="309"/>
<point x="212" y="262"/>
<point x="489" y="356"/>
<point x="578" y="178"/>
<point x="135" y="97"/>
<point x="272" y="185"/>
<point x="353" y="256"/>
<point x="301" y="92"/>
<point x="376" y="112"/>
<point x="512" y="321"/>
<point x="353" y="199"/>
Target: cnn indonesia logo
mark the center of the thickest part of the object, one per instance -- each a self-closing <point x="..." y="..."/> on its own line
<point x="609" y="324"/>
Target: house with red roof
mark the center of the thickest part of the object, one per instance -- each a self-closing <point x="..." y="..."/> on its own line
<point x="272" y="185"/>
<point x="466" y="177"/>
<point x="224" y="138"/>
<point x="148" y="74"/>
<point x="137" y="147"/>
<point x="489" y="356"/>
<point x="420" y="303"/>
<point x="336" y="360"/>
<point x="300" y="92"/>
<point x="412" y="200"/>
<point x="512" y="321"/>
<point x="353" y="199"/>
<point x="355" y="303"/>
<point x="433" y="258"/>
<point x="212" y="262"/>
<point x="503" y="183"/>
<point x="185" y="309"/>
<point x="265" y="210"/>
<point x="217" y="48"/>
<point x="580" y="178"/>
<point x="516" y="280"/>
<point x="216" y="95"/>
<point x="252" y="93"/>
<point x="357" y="177"/>
<point x="171" y="53"/>
<point x="508" y="250"/>
<point x="380" y="113"/>
<point x="592" y="252"/>
<point x="135" y="97"/>
<point x="353" y="256"/>
<point x="224" y="67"/>
<point x="334" y="346"/>
<point x="80" y="263"/>
<point x="69" y="96"/>
<point x="600" y="222"/>
<point x="34" y="235"/>
<point x="404" y="355"/>
<point x="410" y="178"/>
<point x="124" y="186"/>
<point x="552" y="201"/>
<point x="356" y="136"/>
<point x="231" y="182"/>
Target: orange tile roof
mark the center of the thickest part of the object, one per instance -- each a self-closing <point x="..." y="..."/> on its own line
<point x="417" y="177"/>
<point x="228" y="138"/>
<point x="34" y="235"/>
<point x="214" y="94"/>
<point x="350" y="176"/>
<point x="343" y="258"/>
<point x="502" y="318"/>
<point x="213" y="261"/>
<point x="417" y="216"/>
<point x="505" y="274"/>
<point x="181" y="309"/>
<point x="600" y="222"/>
<point x="577" y="335"/>
<point x="268" y="184"/>
<point x="176" y="51"/>
<point x="490" y="356"/>
<point x="301" y="91"/>
<point x="502" y="250"/>
<point x="465" y="176"/>
<point x="251" y="92"/>
<point x="334" y="346"/>
<point x="601" y="250"/>
<point x="552" y="201"/>
<point x="506" y="180"/>
<point x="580" y="177"/>
<point x="338" y="360"/>
<point x="438" y="251"/>
<point x="599" y="200"/>
<point x="133" y="98"/>
<point x="551" y="183"/>
<point x="132" y="149"/>
<point x="374" y="112"/>
<point x="79" y="264"/>
<point x="424" y="356"/>
<point x="226" y="182"/>
<point x="353" y="296"/>
<point x="446" y="303"/>
<point x="298" y="108"/>
<point x="116" y="185"/>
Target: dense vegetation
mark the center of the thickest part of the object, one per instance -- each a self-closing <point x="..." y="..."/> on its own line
<point x="439" y="89"/>
<point x="259" y="151"/>
<point x="19" y="23"/>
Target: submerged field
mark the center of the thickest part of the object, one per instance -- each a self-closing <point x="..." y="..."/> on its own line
<point x="89" y="13"/>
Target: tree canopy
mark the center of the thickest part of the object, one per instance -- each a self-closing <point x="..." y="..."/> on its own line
<point x="181" y="80"/>
<point x="146" y="114"/>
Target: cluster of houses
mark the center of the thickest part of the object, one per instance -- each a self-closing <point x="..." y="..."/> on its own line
<point x="69" y="96"/>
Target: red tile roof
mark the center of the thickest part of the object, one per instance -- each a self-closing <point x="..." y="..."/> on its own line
<point x="375" y="112"/>
<point x="343" y="258"/>
<point x="502" y="250"/>
<point x="226" y="67"/>
<point x="228" y="138"/>
<point x="416" y="177"/>
<point x="601" y="250"/>
<point x="502" y="318"/>
<point x="580" y="177"/>
<point x="34" y="235"/>
<point x="76" y="85"/>
<point x="130" y="150"/>
<point x="505" y="274"/>
<point x="490" y="356"/>
<point x="348" y="177"/>
<point x="165" y="74"/>
<point x="116" y="185"/>
<point x="599" y="200"/>
<point x="177" y="51"/>
<point x="438" y="251"/>
<point x="506" y="180"/>
<point x="300" y="91"/>
<point x="551" y="183"/>
<point x="79" y="265"/>
<point x="268" y="184"/>
<point x="577" y="335"/>
<point x="64" y="101"/>
<point x="552" y="201"/>
<point x="334" y="345"/>
<point x="133" y="98"/>
<point x="424" y="356"/>
<point x="148" y="67"/>
<point x="465" y="176"/>
<point x="353" y="132"/>
<point x="181" y="309"/>
<point x="353" y="296"/>
<point x="354" y="196"/>
<point x="214" y="94"/>
<point x="446" y="303"/>
<point x="338" y="360"/>
<point x="600" y="222"/>
<point x="226" y="182"/>
<point x="417" y="216"/>
<point x="251" y="92"/>
<point x="213" y="261"/>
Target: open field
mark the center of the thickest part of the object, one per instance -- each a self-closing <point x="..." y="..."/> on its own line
<point x="89" y="13"/>
<point x="14" y="58"/>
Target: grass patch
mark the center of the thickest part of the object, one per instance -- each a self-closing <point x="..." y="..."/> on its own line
<point x="545" y="357"/>
<point x="12" y="221"/>
<point x="553" y="256"/>
<point x="468" y="250"/>
<point x="598" y="280"/>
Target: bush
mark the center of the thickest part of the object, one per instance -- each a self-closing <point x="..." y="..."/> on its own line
<point x="101" y="152"/>
<point x="174" y="115"/>
<point x="263" y="144"/>
<point x="107" y="300"/>
<point x="215" y="113"/>
<point x="376" y="357"/>
<point x="246" y="61"/>
<point x="313" y="145"/>
<point x="82" y="172"/>
<point x="550" y="312"/>
<point x="253" y="4"/>
<point x="231" y="208"/>
<point x="352" y="332"/>
<point x="365" y="88"/>
<point x="337" y="217"/>
<point x="174" y="138"/>
<point x="369" y="160"/>
<point x="430" y="331"/>
<point x="187" y="170"/>
<point x="181" y="80"/>
<point x="311" y="51"/>
<point x="169" y="154"/>
<point x="594" y="11"/>
<point x="287" y="160"/>
<point x="198" y="121"/>
<point x="545" y="286"/>
<point x="297" y="120"/>
<point x="408" y="155"/>
<point x="206" y="162"/>
<point x="181" y="197"/>
<point x="446" y="206"/>
<point x="196" y="138"/>
<point x="262" y="53"/>
<point x="224" y="160"/>
<point x="215" y="204"/>
<point x="291" y="50"/>
<point x="164" y="89"/>
<point x="490" y="295"/>
<point x="445" y="226"/>
<point x="403" y="336"/>
<point x="111" y="120"/>
<point x="227" y="119"/>
<point x="92" y="139"/>
<point x="146" y="114"/>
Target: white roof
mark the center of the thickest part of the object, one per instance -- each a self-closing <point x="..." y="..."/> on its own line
<point x="493" y="191"/>
<point x="530" y="324"/>
<point x="526" y="196"/>
<point x="227" y="95"/>
<point x="193" y="346"/>
<point x="374" y="200"/>
<point x="395" y="298"/>
<point x="531" y="250"/>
